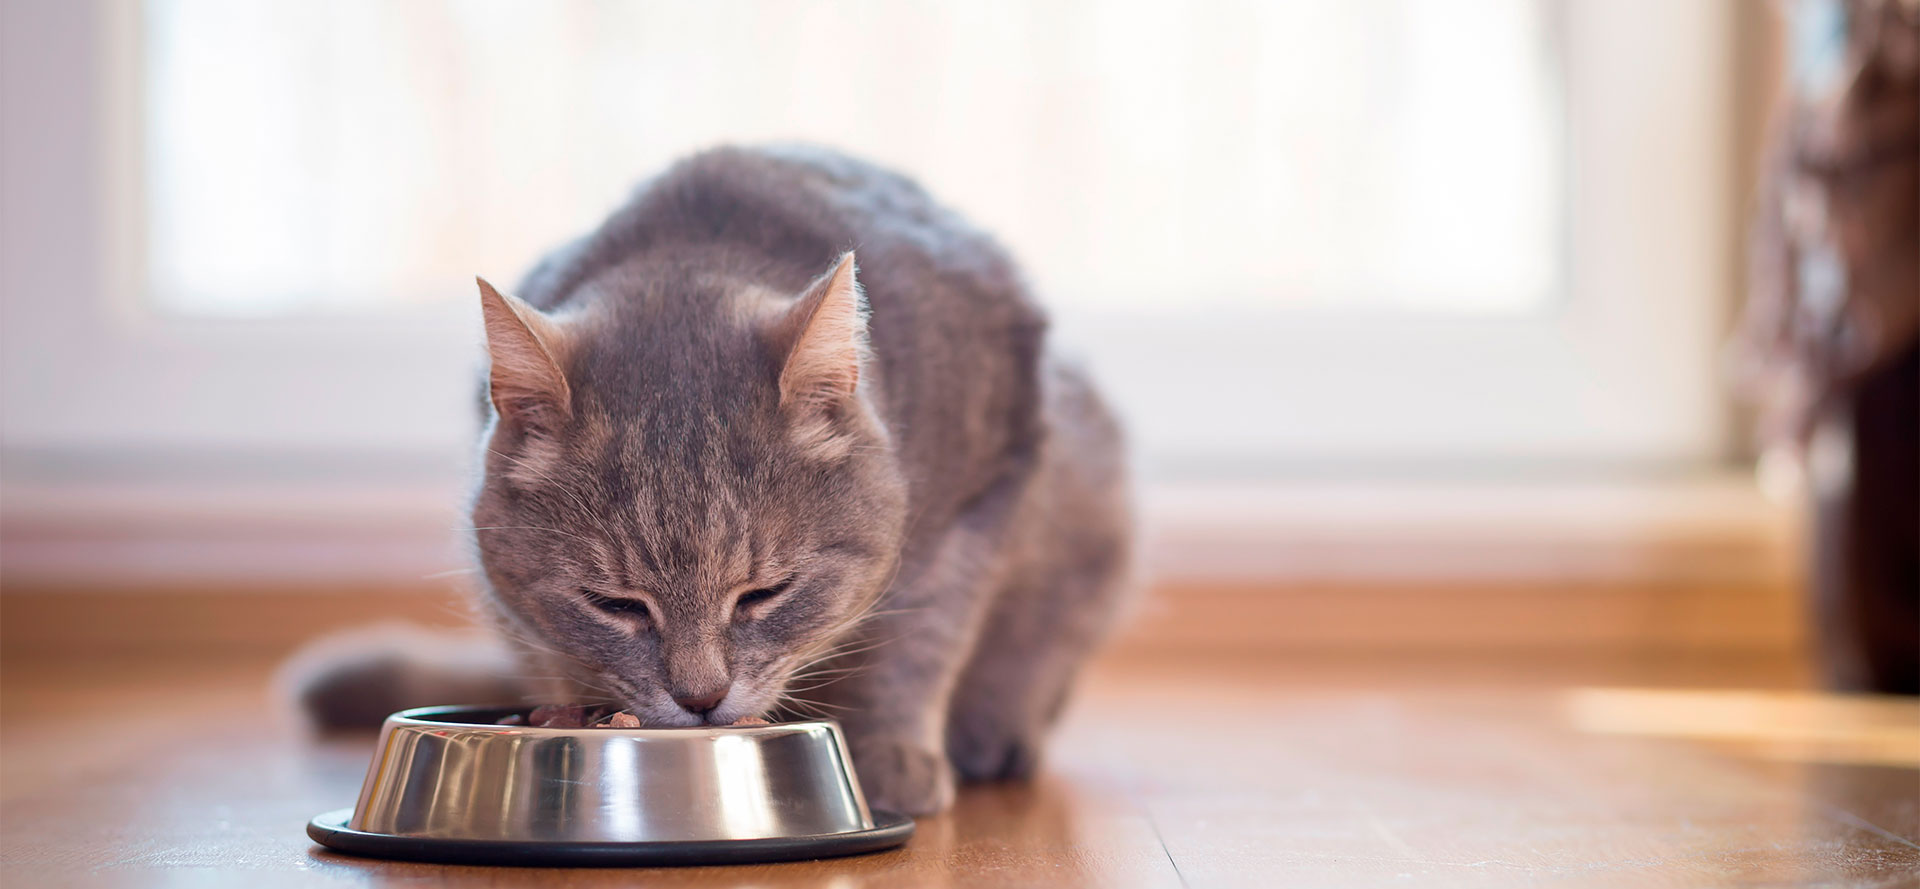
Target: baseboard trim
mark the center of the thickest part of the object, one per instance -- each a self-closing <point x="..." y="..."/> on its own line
<point x="1173" y="620"/>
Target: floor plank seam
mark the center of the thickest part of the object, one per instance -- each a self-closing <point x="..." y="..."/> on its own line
<point x="1870" y="827"/>
<point x="1153" y="824"/>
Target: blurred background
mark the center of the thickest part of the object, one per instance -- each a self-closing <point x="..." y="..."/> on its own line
<point x="1425" y="317"/>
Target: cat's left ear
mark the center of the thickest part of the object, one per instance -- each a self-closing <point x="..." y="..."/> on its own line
<point x="824" y="341"/>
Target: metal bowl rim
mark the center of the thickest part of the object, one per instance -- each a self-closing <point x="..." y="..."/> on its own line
<point x="420" y="717"/>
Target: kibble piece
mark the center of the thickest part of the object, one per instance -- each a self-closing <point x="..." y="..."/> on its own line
<point x="623" y="720"/>
<point x="751" y="720"/>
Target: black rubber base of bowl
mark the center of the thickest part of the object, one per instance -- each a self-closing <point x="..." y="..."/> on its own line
<point x="331" y="830"/>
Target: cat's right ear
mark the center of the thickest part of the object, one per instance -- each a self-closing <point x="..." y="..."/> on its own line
<point x="822" y="344"/>
<point x="525" y="381"/>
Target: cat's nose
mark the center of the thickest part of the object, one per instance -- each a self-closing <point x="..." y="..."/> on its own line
<point x="701" y="702"/>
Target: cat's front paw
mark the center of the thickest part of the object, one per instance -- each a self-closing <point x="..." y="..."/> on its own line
<point x="983" y="751"/>
<point x="904" y="777"/>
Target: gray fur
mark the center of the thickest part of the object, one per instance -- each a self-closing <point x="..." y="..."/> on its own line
<point x="955" y="554"/>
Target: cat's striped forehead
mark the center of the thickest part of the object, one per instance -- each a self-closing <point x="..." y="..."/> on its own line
<point x="672" y="503"/>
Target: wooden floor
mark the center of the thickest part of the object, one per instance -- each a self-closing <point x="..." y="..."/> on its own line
<point x="1356" y="771"/>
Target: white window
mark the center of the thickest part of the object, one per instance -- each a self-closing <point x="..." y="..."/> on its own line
<point x="1168" y="156"/>
<point x="1291" y="234"/>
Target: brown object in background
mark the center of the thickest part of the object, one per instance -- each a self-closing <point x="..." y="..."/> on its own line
<point x="1835" y="254"/>
<point x="1828" y="338"/>
<point x="1866" y="545"/>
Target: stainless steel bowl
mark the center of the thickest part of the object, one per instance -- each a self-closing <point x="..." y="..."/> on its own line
<point x="447" y="784"/>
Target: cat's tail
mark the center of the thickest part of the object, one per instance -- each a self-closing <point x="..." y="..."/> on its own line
<point x="354" y="679"/>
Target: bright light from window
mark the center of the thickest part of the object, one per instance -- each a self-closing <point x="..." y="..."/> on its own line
<point x="354" y="155"/>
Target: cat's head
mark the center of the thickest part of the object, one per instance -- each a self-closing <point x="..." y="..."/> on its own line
<point x="687" y="492"/>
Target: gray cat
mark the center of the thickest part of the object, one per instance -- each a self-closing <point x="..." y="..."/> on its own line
<point x="730" y="470"/>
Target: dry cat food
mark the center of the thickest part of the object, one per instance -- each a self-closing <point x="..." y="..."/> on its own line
<point x="589" y="716"/>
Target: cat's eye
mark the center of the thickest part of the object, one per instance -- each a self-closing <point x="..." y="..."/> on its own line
<point x="751" y="598"/>
<point x="633" y="608"/>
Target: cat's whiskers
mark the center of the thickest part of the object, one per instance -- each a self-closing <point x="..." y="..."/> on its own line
<point x="816" y="709"/>
<point x="829" y="671"/>
<point x="816" y="664"/>
<point x="580" y="676"/>
<point x="820" y="679"/>
<point x="467" y="610"/>
<point x="524" y="528"/>
<point x="796" y="691"/>
<point x="527" y="640"/>
<point x="848" y="649"/>
<point x="835" y="640"/>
